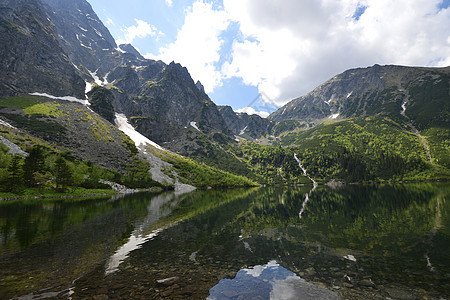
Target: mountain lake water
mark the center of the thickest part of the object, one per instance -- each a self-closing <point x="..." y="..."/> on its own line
<point x="350" y="242"/>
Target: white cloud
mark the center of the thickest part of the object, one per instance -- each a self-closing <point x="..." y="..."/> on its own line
<point x="198" y="43"/>
<point x="287" y="48"/>
<point x="169" y="2"/>
<point x="293" y="46"/>
<point x="141" y="30"/>
<point x="252" y="111"/>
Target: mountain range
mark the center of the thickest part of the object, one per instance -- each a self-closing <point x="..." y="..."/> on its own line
<point x="66" y="83"/>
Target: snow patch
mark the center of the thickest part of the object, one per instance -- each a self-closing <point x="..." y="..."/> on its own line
<point x="403" y="112"/>
<point x="120" y="50"/>
<point x="334" y="116"/>
<point x="194" y="124"/>
<point x="105" y="78"/>
<point x="6" y="124"/>
<point x="88" y="87"/>
<point x="92" y="19"/>
<point x="243" y="130"/>
<point x="83" y="45"/>
<point x="122" y="123"/>
<point x="96" y="79"/>
<point x="76" y="67"/>
<point x="98" y="32"/>
<point x="85" y="30"/>
<point x="65" y="98"/>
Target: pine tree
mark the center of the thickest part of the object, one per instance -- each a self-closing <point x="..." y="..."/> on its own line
<point x="15" y="177"/>
<point x="62" y="173"/>
<point x="34" y="164"/>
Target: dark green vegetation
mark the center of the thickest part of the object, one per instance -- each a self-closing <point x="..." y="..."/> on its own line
<point x="398" y="235"/>
<point x="49" y="173"/>
<point x="366" y="149"/>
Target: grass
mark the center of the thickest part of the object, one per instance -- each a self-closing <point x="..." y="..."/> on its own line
<point x="20" y="102"/>
<point x="47" y="108"/>
<point x="32" y="193"/>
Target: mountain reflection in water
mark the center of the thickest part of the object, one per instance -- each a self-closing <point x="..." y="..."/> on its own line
<point x="353" y="242"/>
<point x="269" y="281"/>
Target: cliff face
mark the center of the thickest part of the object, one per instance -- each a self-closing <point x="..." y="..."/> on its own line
<point x="244" y="125"/>
<point x="163" y="99"/>
<point x="31" y="58"/>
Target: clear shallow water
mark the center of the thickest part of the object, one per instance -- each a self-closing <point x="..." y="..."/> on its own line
<point x="353" y="242"/>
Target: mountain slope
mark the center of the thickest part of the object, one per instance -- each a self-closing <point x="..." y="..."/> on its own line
<point x="377" y="90"/>
<point x="161" y="101"/>
<point x="70" y="125"/>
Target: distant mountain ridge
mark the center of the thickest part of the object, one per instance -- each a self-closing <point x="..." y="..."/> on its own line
<point x="367" y="91"/>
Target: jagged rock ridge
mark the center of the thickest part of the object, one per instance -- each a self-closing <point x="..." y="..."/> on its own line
<point x="244" y="125"/>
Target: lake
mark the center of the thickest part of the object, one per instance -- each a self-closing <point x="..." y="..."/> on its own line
<point x="346" y="242"/>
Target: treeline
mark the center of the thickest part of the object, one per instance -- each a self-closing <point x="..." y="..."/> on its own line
<point x="270" y="164"/>
<point x="46" y="169"/>
<point x="363" y="150"/>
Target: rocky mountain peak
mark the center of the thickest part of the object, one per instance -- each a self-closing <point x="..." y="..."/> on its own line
<point x="200" y="86"/>
<point x="130" y="49"/>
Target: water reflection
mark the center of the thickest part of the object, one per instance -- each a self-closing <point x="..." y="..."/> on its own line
<point x="51" y="243"/>
<point x="355" y="241"/>
<point x="160" y="206"/>
<point x="269" y="281"/>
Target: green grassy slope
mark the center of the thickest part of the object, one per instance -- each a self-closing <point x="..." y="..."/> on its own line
<point x="373" y="148"/>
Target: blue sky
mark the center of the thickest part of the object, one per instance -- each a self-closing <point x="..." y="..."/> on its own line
<point x="275" y="51"/>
